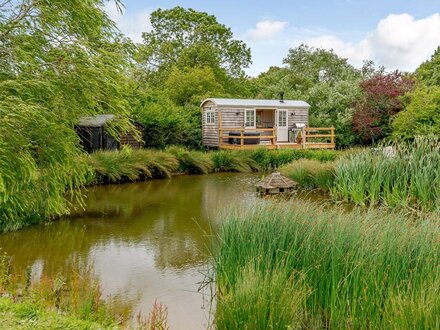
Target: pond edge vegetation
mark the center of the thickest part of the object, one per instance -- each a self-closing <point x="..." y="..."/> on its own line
<point x="302" y="266"/>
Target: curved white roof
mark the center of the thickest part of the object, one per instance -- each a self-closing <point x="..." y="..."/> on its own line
<point x="257" y="103"/>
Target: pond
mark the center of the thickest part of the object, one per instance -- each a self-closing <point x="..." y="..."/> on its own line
<point x="145" y="241"/>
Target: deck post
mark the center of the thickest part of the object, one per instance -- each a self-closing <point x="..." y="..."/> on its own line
<point x="332" y="135"/>
<point x="242" y="137"/>
<point x="274" y="137"/>
<point x="304" y="137"/>
<point x="220" y="129"/>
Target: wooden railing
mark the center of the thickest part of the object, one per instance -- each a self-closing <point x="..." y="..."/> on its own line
<point x="265" y="134"/>
<point x="325" y="140"/>
<point x="309" y="133"/>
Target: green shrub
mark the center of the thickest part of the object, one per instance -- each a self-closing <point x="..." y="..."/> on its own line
<point x="348" y="270"/>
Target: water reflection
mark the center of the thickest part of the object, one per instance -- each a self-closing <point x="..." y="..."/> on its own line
<point x="145" y="241"/>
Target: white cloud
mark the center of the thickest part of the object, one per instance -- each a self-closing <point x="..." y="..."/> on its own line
<point x="132" y="24"/>
<point x="398" y="42"/>
<point x="267" y="29"/>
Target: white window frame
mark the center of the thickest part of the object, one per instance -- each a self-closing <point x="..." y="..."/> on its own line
<point x="254" y="124"/>
<point x="210" y="117"/>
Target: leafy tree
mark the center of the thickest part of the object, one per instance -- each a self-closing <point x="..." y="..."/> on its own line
<point x="311" y="66"/>
<point x="429" y="72"/>
<point x="59" y="60"/>
<point x="379" y="104"/>
<point x="188" y="38"/>
<point x="421" y="115"/>
<point x="327" y="82"/>
<point x="191" y="85"/>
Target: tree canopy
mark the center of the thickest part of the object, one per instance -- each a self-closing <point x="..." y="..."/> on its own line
<point x="188" y="38"/>
<point x="380" y="102"/>
<point x="429" y="71"/>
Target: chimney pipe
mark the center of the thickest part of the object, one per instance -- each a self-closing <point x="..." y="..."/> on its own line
<point x="281" y="94"/>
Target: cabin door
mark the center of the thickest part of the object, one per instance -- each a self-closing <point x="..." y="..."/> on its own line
<point x="282" y="127"/>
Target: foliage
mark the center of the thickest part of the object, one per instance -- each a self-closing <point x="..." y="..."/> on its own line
<point x="310" y="173"/>
<point x="132" y="165"/>
<point x="58" y="62"/>
<point x="421" y="115"/>
<point x="192" y="162"/>
<point x="273" y="159"/>
<point x="403" y="175"/>
<point x="262" y="300"/>
<point x="188" y="38"/>
<point x="327" y="82"/>
<point x="311" y="66"/>
<point x="429" y="71"/>
<point x="234" y="161"/>
<point x="380" y="103"/>
<point x="191" y="85"/>
<point x="341" y="270"/>
<point x="166" y="123"/>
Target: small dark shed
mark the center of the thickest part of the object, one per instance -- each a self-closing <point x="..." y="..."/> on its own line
<point x="94" y="135"/>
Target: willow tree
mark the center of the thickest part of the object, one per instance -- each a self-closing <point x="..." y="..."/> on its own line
<point x="59" y="60"/>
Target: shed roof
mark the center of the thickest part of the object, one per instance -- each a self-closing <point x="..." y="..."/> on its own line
<point x="95" y="121"/>
<point x="256" y="103"/>
<point x="276" y="180"/>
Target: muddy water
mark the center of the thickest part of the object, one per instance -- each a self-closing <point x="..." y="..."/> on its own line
<point x="145" y="241"/>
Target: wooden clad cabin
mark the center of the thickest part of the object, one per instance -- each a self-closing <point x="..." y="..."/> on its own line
<point x="247" y="124"/>
<point x="94" y="136"/>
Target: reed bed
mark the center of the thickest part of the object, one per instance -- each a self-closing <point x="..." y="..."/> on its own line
<point x="301" y="266"/>
<point x="403" y="175"/>
<point x="310" y="173"/>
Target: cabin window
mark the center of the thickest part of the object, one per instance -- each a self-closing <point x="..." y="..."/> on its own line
<point x="249" y="121"/>
<point x="210" y="117"/>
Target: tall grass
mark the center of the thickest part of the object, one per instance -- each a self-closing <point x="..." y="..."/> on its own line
<point x="310" y="173"/>
<point x="273" y="159"/>
<point x="139" y="164"/>
<point x="192" y="162"/>
<point x="131" y="165"/>
<point x="234" y="161"/>
<point x="299" y="266"/>
<point x="407" y="175"/>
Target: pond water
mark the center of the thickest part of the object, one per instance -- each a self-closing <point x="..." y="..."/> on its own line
<point x="145" y="241"/>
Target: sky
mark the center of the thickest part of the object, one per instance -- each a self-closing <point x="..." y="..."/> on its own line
<point x="397" y="34"/>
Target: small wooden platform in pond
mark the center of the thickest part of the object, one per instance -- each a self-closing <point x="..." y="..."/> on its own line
<point x="276" y="184"/>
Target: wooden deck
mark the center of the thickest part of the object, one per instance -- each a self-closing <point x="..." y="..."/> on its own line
<point x="311" y="138"/>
